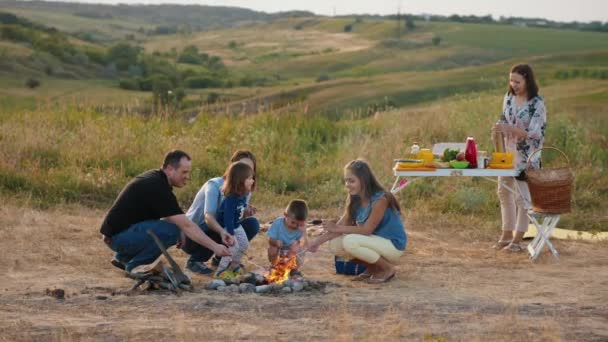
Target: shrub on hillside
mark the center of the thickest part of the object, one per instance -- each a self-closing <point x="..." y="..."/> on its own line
<point x="348" y="28"/>
<point x="436" y="40"/>
<point x="323" y="77"/>
<point x="213" y="97"/>
<point x="128" y="84"/>
<point x="32" y="83"/>
<point x="198" y="82"/>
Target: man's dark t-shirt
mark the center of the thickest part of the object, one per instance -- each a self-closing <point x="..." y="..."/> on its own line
<point x="147" y="197"/>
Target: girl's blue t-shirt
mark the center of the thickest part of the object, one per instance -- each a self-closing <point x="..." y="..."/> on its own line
<point x="390" y="227"/>
<point x="231" y="212"/>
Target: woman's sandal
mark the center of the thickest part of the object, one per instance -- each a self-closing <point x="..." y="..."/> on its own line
<point x="514" y="248"/>
<point x="373" y="280"/>
<point x="500" y="244"/>
<point x="361" y="277"/>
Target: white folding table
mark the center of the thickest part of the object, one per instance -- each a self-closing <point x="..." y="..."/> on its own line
<point x="545" y="223"/>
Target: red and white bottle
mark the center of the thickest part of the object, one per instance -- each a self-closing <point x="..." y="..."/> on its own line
<point x="470" y="153"/>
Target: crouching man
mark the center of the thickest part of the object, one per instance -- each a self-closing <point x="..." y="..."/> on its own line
<point x="148" y="203"/>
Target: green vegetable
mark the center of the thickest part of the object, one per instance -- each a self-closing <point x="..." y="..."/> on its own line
<point x="449" y="154"/>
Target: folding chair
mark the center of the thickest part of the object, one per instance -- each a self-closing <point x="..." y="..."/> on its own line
<point x="545" y="224"/>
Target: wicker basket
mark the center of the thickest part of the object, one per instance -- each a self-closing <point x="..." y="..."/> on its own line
<point x="550" y="189"/>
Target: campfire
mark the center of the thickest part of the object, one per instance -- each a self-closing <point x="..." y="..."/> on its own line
<point x="280" y="271"/>
<point x="275" y="280"/>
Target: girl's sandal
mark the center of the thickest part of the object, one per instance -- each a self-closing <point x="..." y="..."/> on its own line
<point x="500" y="244"/>
<point x="514" y="248"/>
<point x="361" y="277"/>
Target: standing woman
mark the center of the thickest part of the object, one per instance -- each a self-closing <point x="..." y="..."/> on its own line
<point x="522" y="122"/>
<point x="370" y="232"/>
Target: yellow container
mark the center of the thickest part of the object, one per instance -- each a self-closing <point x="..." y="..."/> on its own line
<point x="410" y="164"/>
<point x="502" y="158"/>
<point x="426" y="155"/>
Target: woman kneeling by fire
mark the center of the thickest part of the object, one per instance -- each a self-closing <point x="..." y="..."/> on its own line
<point x="370" y="232"/>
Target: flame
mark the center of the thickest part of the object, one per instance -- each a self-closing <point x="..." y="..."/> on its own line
<point x="279" y="272"/>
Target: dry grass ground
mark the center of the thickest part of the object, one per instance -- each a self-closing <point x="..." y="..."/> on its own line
<point x="450" y="286"/>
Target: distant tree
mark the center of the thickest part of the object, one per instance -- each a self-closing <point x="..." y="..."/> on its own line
<point x="348" y="28"/>
<point x="32" y="83"/>
<point x="233" y="44"/>
<point x="161" y="90"/>
<point x="436" y="40"/>
<point x="123" y="55"/>
<point x="409" y="23"/>
<point x="189" y="55"/>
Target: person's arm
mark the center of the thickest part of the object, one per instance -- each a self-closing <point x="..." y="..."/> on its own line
<point x="378" y="209"/>
<point x="538" y="122"/>
<point x="212" y="198"/>
<point x="275" y="243"/>
<point x="313" y="245"/>
<point x="197" y="235"/>
<point x="304" y="242"/>
<point x="249" y="209"/>
<point x="230" y="204"/>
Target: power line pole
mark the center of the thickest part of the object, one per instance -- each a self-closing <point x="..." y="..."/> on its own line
<point x="399" y="20"/>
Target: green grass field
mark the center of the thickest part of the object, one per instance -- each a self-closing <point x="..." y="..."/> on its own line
<point x="79" y="141"/>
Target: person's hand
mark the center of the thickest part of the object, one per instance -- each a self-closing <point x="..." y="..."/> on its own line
<point x="249" y="211"/>
<point x="221" y="250"/>
<point x="227" y="239"/>
<point x="181" y="242"/>
<point x="278" y="243"/>
<point x="294" y="248"/>
<point x="330" y="226"/>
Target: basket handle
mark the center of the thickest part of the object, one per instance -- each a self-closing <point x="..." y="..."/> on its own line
<point x="546" y="148"/>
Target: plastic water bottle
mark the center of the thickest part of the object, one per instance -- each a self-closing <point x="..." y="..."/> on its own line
<point x="414" y="150"/>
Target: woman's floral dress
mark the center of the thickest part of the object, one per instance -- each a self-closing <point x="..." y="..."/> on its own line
<point x="532" y="118"/>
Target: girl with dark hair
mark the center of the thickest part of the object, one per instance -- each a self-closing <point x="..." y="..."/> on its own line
<point x="522" y="122"/>
<point x="239" y="181"/>
<point x="203" y="212"/>
<point x="370" y="232"/>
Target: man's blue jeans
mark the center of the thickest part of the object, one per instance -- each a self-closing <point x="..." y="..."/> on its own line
<point x="251" y="225"/>
<point x="135" y="247"/>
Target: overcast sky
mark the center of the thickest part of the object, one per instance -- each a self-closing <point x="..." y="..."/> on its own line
<point x="560" y="10"/>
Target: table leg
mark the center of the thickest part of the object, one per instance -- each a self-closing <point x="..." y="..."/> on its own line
<point x="398" y="185"/>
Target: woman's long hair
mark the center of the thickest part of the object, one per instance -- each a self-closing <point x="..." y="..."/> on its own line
<point x="235" y="177"/>
<point x="369" y="186"/>
<point x="528" y="74"/>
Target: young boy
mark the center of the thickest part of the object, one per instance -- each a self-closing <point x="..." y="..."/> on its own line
<point x="287" y="234"/>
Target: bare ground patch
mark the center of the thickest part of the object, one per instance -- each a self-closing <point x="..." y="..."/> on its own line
<point x="448" y="288"/>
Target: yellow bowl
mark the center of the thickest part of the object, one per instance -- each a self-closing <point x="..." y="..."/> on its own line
<point x="502" y="158"/>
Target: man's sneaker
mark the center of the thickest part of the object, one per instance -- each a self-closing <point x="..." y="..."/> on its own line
<point x="117" y="263"/>
<point x="198" y="267"/>
<point x="141" y="271"/>
<point x="224" y="274"/>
